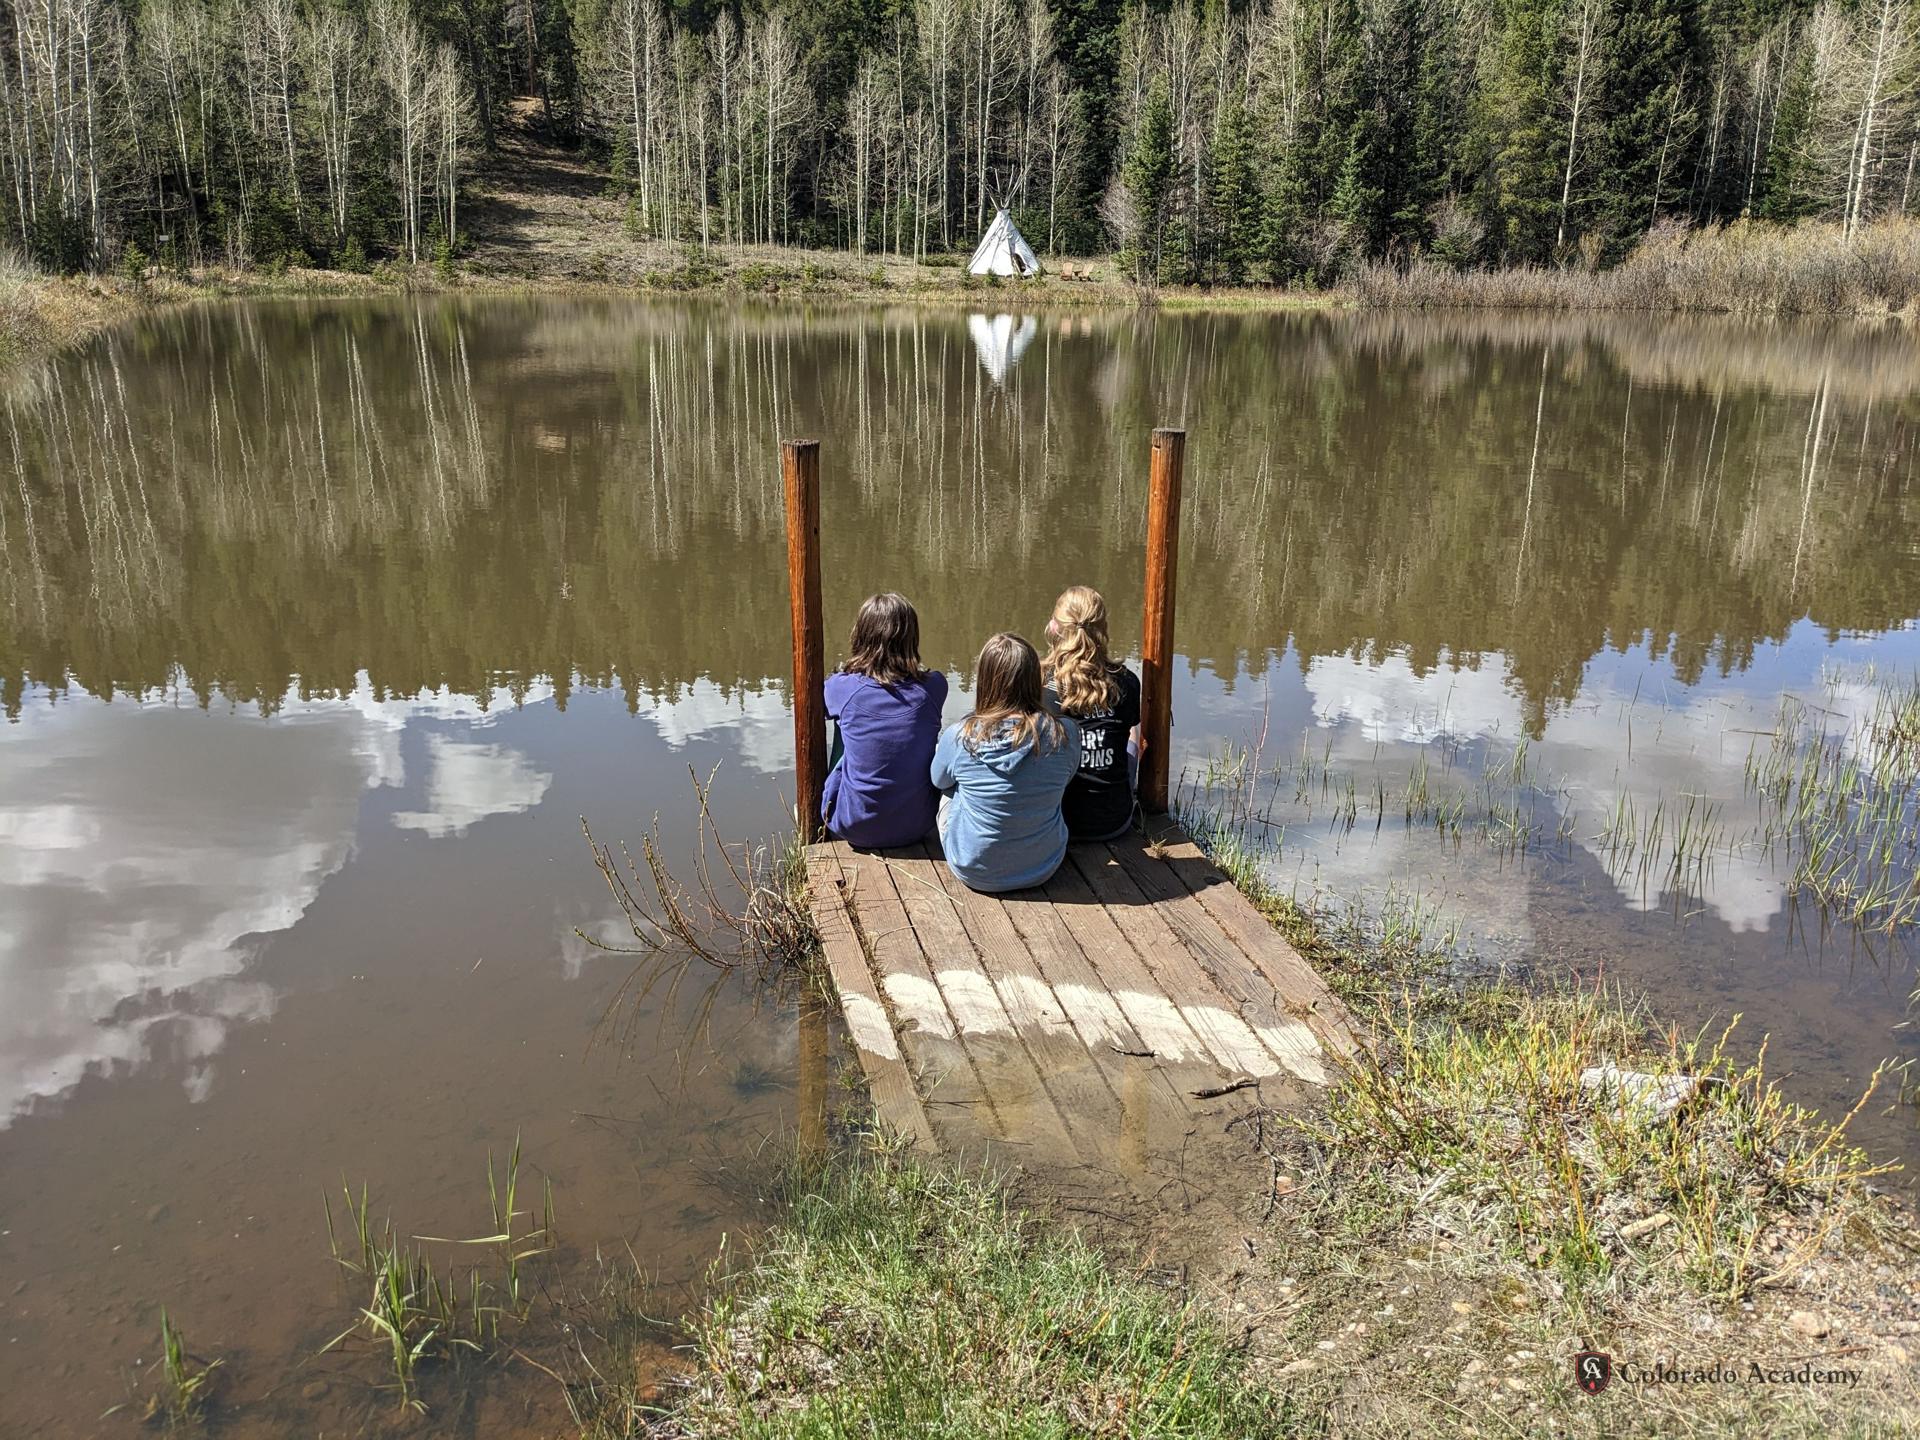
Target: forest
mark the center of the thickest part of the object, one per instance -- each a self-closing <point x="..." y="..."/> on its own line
<point x="1281" y="140"/>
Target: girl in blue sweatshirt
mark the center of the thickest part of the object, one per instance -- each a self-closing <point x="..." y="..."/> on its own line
<point x="886" y="707"/>
<point x="1001" y="773"/>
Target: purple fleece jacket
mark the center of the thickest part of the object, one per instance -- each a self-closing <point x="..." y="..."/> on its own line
<point x="880" y="794"/>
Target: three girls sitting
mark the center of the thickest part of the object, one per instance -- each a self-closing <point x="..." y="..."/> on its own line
<point x="1048" y="754"/>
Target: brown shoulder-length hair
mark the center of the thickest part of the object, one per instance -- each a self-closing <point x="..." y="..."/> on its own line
<point x="1007" y="700"/>
<point x="885" y="645"/>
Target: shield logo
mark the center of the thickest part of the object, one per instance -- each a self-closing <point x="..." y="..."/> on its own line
<point x="1592" y="1371"/>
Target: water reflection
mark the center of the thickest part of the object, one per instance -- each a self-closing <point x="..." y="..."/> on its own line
<point x="999" y="343"/>
<point x="444" y="495"/>
<point x="1691" y="744"/>
<point x="399" y="590"/>
<point x="143" y="864"/>
<point x="468" y="782"/>
<point x="385" y="880"/>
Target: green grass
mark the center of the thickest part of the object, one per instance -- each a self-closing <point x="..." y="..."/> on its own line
<point x="1842" y="803"/>
<point x="1484" y="1124"/>
<point x="184" y="1381"/>
<point x="416" y="1314"/>
<point x="1468" y="1114"/>
<point x="1462" y="1215"/>
<point x="900" y="1298"/>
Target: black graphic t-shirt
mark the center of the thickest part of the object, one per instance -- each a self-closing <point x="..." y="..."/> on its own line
<point x="1099" y="798"/>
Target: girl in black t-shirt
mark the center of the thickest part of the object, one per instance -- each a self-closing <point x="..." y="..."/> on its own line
<point x="1085" y="683"/>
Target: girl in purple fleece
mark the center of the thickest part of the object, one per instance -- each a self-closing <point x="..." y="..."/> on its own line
<point x="886" y="705"/>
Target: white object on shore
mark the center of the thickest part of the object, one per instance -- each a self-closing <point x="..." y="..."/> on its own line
<point x="1658" y="1095"/>
<point x="1003" y="250"/>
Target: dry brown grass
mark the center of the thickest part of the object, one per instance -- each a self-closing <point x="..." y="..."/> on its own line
<point x="40" y="313"/>
<point x="1741" y="269"/>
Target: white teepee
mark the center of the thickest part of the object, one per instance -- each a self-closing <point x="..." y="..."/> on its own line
<point x="1003" y="250"/>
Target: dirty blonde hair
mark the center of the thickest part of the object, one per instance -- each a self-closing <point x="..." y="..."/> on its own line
<point x="885" y="644"/>
<point x="1077" y="664"/>
<point x="1007" y="702"/>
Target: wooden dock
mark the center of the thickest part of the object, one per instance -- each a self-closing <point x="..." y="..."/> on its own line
<point x="1103" y="1021"/>
<point x="1090" y="1021"/>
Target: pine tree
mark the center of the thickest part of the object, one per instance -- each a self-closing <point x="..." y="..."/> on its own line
<point x="1787" y="193"/>
<point x="1233" y="198"/>
<point x="1147" y="178"/>
<point x="1284" y="217"/>
<point x="1438" y="164"/>
<point x="1518" y="131"/>
<point x="1358" y="204"/>
<point x="1647" y="113"/>
<point x="1392" y="160"/>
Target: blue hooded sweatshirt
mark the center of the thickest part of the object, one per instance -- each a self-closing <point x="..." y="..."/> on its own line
<point x="1002" y="829"/>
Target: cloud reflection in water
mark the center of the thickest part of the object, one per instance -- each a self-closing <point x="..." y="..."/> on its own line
<point x="148" y="850"/>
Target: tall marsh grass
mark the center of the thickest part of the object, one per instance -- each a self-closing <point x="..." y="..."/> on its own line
<point x="184" y="1380"/>
<point x="1841" y="801"/>
<point x="1487" y="1135"/>
<point x="1831" y="791"/>
<point x="421" y="1310"/>
<point x="743" y="902"/>
<point x="1746" y="268"/>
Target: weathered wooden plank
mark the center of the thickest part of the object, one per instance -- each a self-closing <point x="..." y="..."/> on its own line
<point x="1030" y="1058"/>
<point x="1098" y="1021"/>
<point x="1069" y="1069"/>
<point x="1226" y="963"/>
<point x="1135" y="991"/>
<point x="1300" y="990"/>
<point x="1151" y="1102"/>
<point x="1213" y="1017"/>
<point x="1023" y="1111"/>
<point x="927" y="1029"/>
<point x="1075" y="1018"/>
<point x="867" y="1020"/>
<point x="956" y="938"/>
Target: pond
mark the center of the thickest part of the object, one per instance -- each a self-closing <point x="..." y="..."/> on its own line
<point x="322" y="626"/>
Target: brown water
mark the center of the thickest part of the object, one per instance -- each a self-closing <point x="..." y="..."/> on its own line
<point x="322" y="625"/>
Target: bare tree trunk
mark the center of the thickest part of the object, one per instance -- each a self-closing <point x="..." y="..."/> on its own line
<point x="1890" y="42"/>
<point x="84" y="18"/>
<point x="1586" y="24"/>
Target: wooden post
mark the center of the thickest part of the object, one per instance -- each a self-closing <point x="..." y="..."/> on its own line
<point x="800" y="470"/>
<point x="1156" y="662"/>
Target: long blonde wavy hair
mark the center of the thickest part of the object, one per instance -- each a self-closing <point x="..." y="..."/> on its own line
<point x="1077" y="665"/>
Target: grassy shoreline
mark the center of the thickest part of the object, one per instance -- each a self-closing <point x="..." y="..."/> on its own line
<point x="1747" y="268"/>
<point x="1424" y="1254"/>
<point x="41" y="315"/>
<point x="1741" y="270"/>
<point x="898" y="1297"/>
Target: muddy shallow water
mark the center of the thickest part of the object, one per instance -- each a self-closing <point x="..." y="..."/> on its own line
<point x="322" y="625"/>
